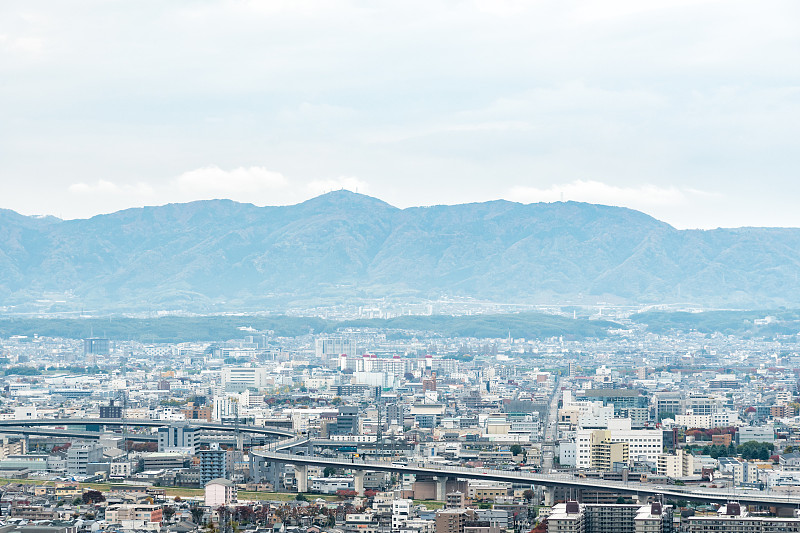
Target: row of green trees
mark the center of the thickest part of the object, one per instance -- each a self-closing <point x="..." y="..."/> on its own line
<point x="749" y="450"/>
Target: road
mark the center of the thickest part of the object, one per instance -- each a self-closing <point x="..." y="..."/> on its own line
<point x="551" y="429"/>
<point x="701" y="494"/>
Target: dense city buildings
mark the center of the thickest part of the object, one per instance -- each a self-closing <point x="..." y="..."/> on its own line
<point x="633" y="409"/>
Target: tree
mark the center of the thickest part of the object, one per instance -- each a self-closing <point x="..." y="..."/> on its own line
<point x="301" y="497"/>
<point x="528" y="494"/>
<point x="516" y="449"/>
<point x="197" y="514"/>
<point x="168" y="511"/>
<point x="329" y="471"/>
<point x="93" y="496"/>
<point x="244" y="513"/>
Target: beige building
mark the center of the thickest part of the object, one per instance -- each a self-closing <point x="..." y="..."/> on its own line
<point x="605" y="452"/>
<point x="566" y="518"/>
<point x="680" y="464"/>
<point x="454" y="520"/>
<point x="135" y="516"/>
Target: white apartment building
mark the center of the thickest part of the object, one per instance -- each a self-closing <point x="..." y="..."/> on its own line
<point x="725" y="418"/>
<point x="401" y="512"/>
<point x="680" y="464"/>
<point x="568" y="453"/>
<point x="120" y="469"/>
<point x="255" y="377"/>
<point x="643" y="444"/>
<point x="694" y="421"/>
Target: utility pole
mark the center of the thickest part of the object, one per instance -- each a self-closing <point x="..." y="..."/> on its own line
<point x="380" y="429"/>
<point x="237" y="432"/>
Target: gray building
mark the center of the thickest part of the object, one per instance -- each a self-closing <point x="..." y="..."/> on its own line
<point x="79" y="457"/>
<point x="214" y="463"/>
<point x="177" y="438"/>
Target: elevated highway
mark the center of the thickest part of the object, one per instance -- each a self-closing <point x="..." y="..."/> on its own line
<point x="548" y="481"/>
<point x="75" y="433"/>
<point x="142" y="422"/>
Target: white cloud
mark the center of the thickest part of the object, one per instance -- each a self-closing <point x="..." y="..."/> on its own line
<point x="428" y="99"/>
<point x="318" y="187"/>
<point x="597" y="192"/>
<point x="108" y="187"/>
<point x="215" y="180"/>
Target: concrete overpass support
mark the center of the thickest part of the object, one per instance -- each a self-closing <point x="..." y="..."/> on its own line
<point x="301" y="477"/>
<point x="358" y="485"/>
<point x="441" y="488"/>
<point x="549" y="496"/>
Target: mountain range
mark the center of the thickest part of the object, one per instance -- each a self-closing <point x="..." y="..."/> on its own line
<point x="346" y="247"/>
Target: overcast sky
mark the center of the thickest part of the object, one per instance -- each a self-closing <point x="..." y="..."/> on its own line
<point x="686" y="110"/>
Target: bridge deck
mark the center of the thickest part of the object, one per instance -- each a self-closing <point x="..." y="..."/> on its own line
<point x="545" y="480"/>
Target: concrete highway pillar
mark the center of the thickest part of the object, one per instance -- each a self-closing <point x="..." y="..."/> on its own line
<point x="641" y="499"/>
<point x="301" y="477"/>
<point x="441" y="488"/>
<point x="549" y="496"/>
<point x="359" y="482"/>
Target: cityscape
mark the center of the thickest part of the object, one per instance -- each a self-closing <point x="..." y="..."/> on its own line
<point x="430" y="266"/>
<point x="385" y="430"/>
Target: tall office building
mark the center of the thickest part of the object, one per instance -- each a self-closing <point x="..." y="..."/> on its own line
<point x="238" y="378"/>
<point x="94" y="346"/>
<point x="111" y="410"/>
<point x="79" y="457"/>
<point x="177" y="438"/>
<point x="333" y="347"/>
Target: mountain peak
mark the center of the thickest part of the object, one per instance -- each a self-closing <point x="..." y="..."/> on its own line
<point x="346" y="198"/>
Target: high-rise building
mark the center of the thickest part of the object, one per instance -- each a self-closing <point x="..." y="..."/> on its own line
<point x="111" y="410"/>
<point x="94" y="346"/>
<point x="79" y="457"/>
<point x="346" y="421"/>
<point x="177" y="438"/>
<point x="333" y="347"/>
<point x="214" y="463"/>
<point x="643" y="444"/>
<point x="241" y="377"/>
